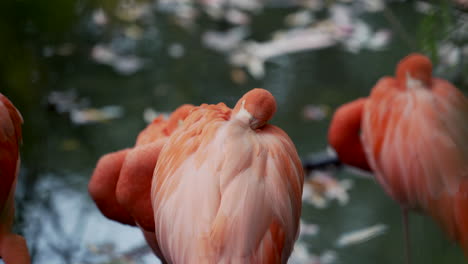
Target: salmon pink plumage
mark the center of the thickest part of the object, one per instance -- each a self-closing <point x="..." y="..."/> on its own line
<point x="412" y="132"/>
<point x="227" y="187"/>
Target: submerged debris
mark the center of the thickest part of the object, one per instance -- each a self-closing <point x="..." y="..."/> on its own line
<point x="176" y="50"/>
<point x="79" y="109"/>
<point x="99" y="17"/>
<point x="308" y="229"/>
<point x="95" y="115"/>
<point x="124" y="64"/>
<point x="238" y="76"/>
<point x="130" y="11"/>
<point x="301" y="255"/>
<point x="254" y="54"/>
<point x="70" y="144"/>
<point x="65" y="101"/>
<point x="341" y="27"/>
<point x="321" y="188"/>
<point x="304" y="30"/>
<point x="299" y="19"/>
<point x="224" y="41"/>
<point x="315" y="112"/>
<point x="65" y="49"/>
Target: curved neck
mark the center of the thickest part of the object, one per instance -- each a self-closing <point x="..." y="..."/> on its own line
<point x="344" y="134"/>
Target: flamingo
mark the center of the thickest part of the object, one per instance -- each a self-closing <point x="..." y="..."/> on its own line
<point x="227" y="187"/>
<point x="13" y="248"/>
<point x="121" y="182"/>
<point x="412" y="133"/>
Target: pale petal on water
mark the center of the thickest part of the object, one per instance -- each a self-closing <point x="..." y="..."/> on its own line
<point x="361" y="235"/>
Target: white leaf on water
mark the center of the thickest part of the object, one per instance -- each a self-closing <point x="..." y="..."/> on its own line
<point x="449" y="54"/>
<point x="123" y="64"/>
<point x="300" y="18"/>
<point x="253" y="54"/>
<point x="99" y="17"/>
<point x="102" y="54"/>
<point x="361" y="235"/>
<point x="301" y="255"/>
<point x="176" y="50"/>
<point x="307" y="229"/>
<point x="237" y="17"/>
<point x="320" y="188"/>
<point x="224" y="41"/>
<point x="95" y="115"/>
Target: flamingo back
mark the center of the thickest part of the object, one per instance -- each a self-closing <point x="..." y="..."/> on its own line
<point x="161" y="128"/>
<point x="153" y="132"/>
<point x="226" y="190"/>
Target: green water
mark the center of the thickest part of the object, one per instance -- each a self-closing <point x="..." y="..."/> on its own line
<point x="64" y="154"/>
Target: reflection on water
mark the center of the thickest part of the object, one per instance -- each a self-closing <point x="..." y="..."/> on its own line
<point x="83" y="73"/>
<point x="73" y="231"/>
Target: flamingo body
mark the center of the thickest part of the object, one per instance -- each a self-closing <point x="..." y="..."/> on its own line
<point x="420" y="150"/>
<point x="121" y="182"/>
<point x="120" y="178"/>
<point x="13" y="248"/>
<point x="414" y="133"/>
<point x="227" y="187"/>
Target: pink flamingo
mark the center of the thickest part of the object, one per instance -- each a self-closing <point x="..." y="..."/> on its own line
<point x="412" y="132"/>
<point x="227" y="187"/>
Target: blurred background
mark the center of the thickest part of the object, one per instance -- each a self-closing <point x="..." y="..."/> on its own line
<point x="88" y="75"/>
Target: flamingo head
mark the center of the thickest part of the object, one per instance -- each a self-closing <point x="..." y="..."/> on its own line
<point x="414" y="69"/>
<point x="255" y="108"/>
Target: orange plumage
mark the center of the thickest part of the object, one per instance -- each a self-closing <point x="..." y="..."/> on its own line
<point x="13" y="247"/>
<point x="227" y="187"/>
<point x="414" y="133"/>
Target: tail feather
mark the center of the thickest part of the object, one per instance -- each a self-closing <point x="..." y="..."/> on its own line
<point x="451" y="213"/>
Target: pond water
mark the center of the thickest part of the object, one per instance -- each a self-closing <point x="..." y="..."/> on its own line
<point x="66" y="57"/>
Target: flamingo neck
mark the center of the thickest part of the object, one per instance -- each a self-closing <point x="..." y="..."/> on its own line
<point x="243" y="115"/>
<point x="345" y="135"/>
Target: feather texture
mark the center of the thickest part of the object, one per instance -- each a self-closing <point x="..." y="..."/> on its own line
<point x="223" y="192"/>
<point x="416" y="140"/>
<point x="415" y="134"/>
